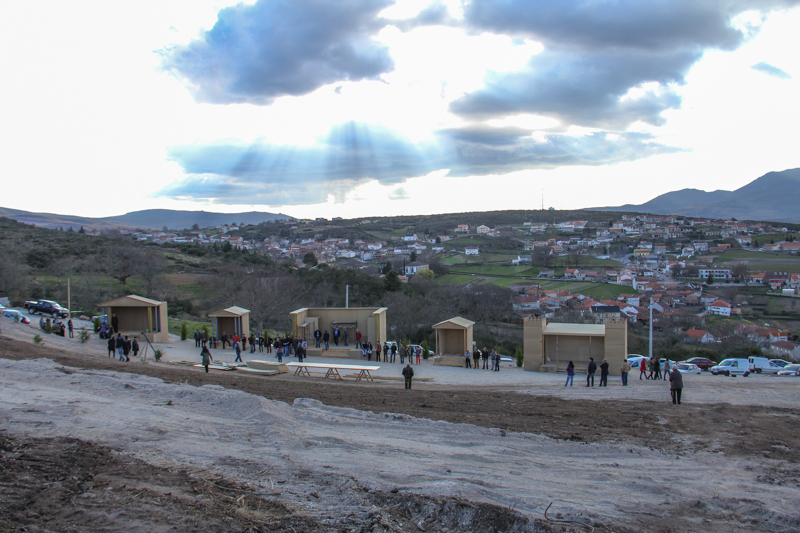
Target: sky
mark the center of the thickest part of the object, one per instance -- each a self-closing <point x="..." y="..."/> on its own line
<point x="355" y="108"/>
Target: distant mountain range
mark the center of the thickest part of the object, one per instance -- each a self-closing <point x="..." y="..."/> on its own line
<point x="774" y="197"/>
<point x="147" y="219"/>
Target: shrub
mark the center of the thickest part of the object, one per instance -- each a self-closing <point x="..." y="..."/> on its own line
<point x="520" y="357"/>
<point x="425" y="349"/>
<point x="47" y="328"/>
<point x="184" y="332"/>
<point x="158" y="353"/>
<point x="96" y="324"/>
<point x="83" y="335"/>
<point x="37" y="339"/>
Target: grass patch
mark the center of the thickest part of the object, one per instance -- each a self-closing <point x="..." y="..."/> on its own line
<point x="455" y="279"/>
<point x="454" y="260"/>
<point x="608" y="291"/>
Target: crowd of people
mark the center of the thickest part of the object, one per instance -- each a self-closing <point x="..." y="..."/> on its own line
<point x="473" y="359"/>
<point x="57" y="327"/>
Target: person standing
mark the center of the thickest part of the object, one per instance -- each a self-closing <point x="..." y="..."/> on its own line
<point x="467" y="360"/>
<point x="120" y="344"/>
<point x="197" y="338"/>
<point x="623" y="372"/>
<point x="252" y="343"/>
<point x="135" y="347"/>
<point x="269" y="343"/>
<point x="419" y="355"/>
<point x="476" y="359"/>
<point x="675" y="384"/>
<point x="402" y="354"/>
<point x="126" y="348"/>
<point x="238" y="350"/>
<point x="408" y="373"/>
<point x="590" y="370"/>
<point x="244" y="341"/>
<point x="205" y="357"/>
<point x="326" y="337"/>
<point x="385" y="351"/>
<point x="115" y="323"/>
<point x="642" y="368"/>
<point x="69" y="326"/>
<point x="279" y="353"/>
<point x="369" y="352"/>
<point x="485" y="357"/>
<point x="666" y="368"/>
<point x="317" y="337"/>
<point x="358" y="338"/>
<point x="393" y="358"/>
<point x="346" y="342"/>
<point x="570" y="374"/>
<point x="261" y="341"/>
<point x="224" y="339"/>
<point x="604" y="373"/>
<point x="112" y="345"/>
<point x="336" y="336"/>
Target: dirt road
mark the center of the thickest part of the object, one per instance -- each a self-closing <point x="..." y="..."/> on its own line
<point x="639" y="466"/>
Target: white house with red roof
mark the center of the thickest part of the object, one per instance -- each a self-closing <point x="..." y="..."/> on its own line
<point x="720" y="307"/>
<point x="699" y="335"/>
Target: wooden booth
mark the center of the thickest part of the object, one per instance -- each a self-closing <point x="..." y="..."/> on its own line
<point x="137" y="314"/>
<point x="370" y="321"/>
<point x="453" y="339"/>
<point x="231" y="321"/>
<point x="550" y="347"/>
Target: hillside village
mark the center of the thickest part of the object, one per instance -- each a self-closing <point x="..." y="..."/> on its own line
<point x="692" y="272"/>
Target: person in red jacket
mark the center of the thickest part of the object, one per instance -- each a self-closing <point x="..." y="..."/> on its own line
<point x="642" y="368"/>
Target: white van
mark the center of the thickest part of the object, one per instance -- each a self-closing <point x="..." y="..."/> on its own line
<point x="763" y="365"/>
<point x="732" y="367"/>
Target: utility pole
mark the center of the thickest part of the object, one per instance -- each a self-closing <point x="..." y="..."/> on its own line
<point x="347" y="296"/>
<point x="651" y="331"/>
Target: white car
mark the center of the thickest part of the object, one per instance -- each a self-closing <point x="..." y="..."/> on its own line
<point x="688" y="368"/>
<point x="790" y="370"/>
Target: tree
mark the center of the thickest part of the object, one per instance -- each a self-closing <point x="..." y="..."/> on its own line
<point x="195" y="226"/>
<point x="426" y="351"/>
<point x="520" y="357"/>
<point x="387" y="267"/>
<point x="391" y="281"/>
<point x="413" y="256"/>
<point x="184" y="332"/>
<point x="309" y="259"/>
<point x="82" y="231"/>
<point x="710" y="279"/>
<point x="426" y="274"/>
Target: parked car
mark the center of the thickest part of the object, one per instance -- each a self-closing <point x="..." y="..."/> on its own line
<point x="762" y="365"/>
<point x="701" y="362"/>
<point x="635" y="360"/>
<point x="790" y="370"/>
<point x="47" y="307"/>
<point x="103" y="319"/>
<point x="732" y="367"/>
<point x="781" y="362"/>
<point x="16" y="316"/>
<point x="689" y="368"/>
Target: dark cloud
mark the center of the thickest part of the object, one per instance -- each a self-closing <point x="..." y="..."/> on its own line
<point x="597" y="52"/>
<point x="629" y="24"/>
<point x="766" y="68"/>
<point x="355" y="153"/>
<point x="582" y="89"/>
<point x="255" y="53"/>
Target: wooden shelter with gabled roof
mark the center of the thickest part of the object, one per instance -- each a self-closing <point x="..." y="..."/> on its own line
<point x="137" y="314"/>
<point x="453" y="339"/>
<point x="231" y="321"/>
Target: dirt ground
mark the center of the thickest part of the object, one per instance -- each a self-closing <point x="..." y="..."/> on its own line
<point x="62" y="484"/>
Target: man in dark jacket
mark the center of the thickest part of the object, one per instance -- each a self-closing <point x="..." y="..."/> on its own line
<point x="394" y="353"/>
<point x="408" y="373"/>
<point x="112" y="346"/>
<point x="385" y="352"/>
<point x="675" y="384"/>
<point x="120" y="347"/>
<point x="590" y="371"/>
<point x="317" y="337"/>
<point x="326" y="337"/>
<point x="115" y="323"/>
<point x="604" y="373"/>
